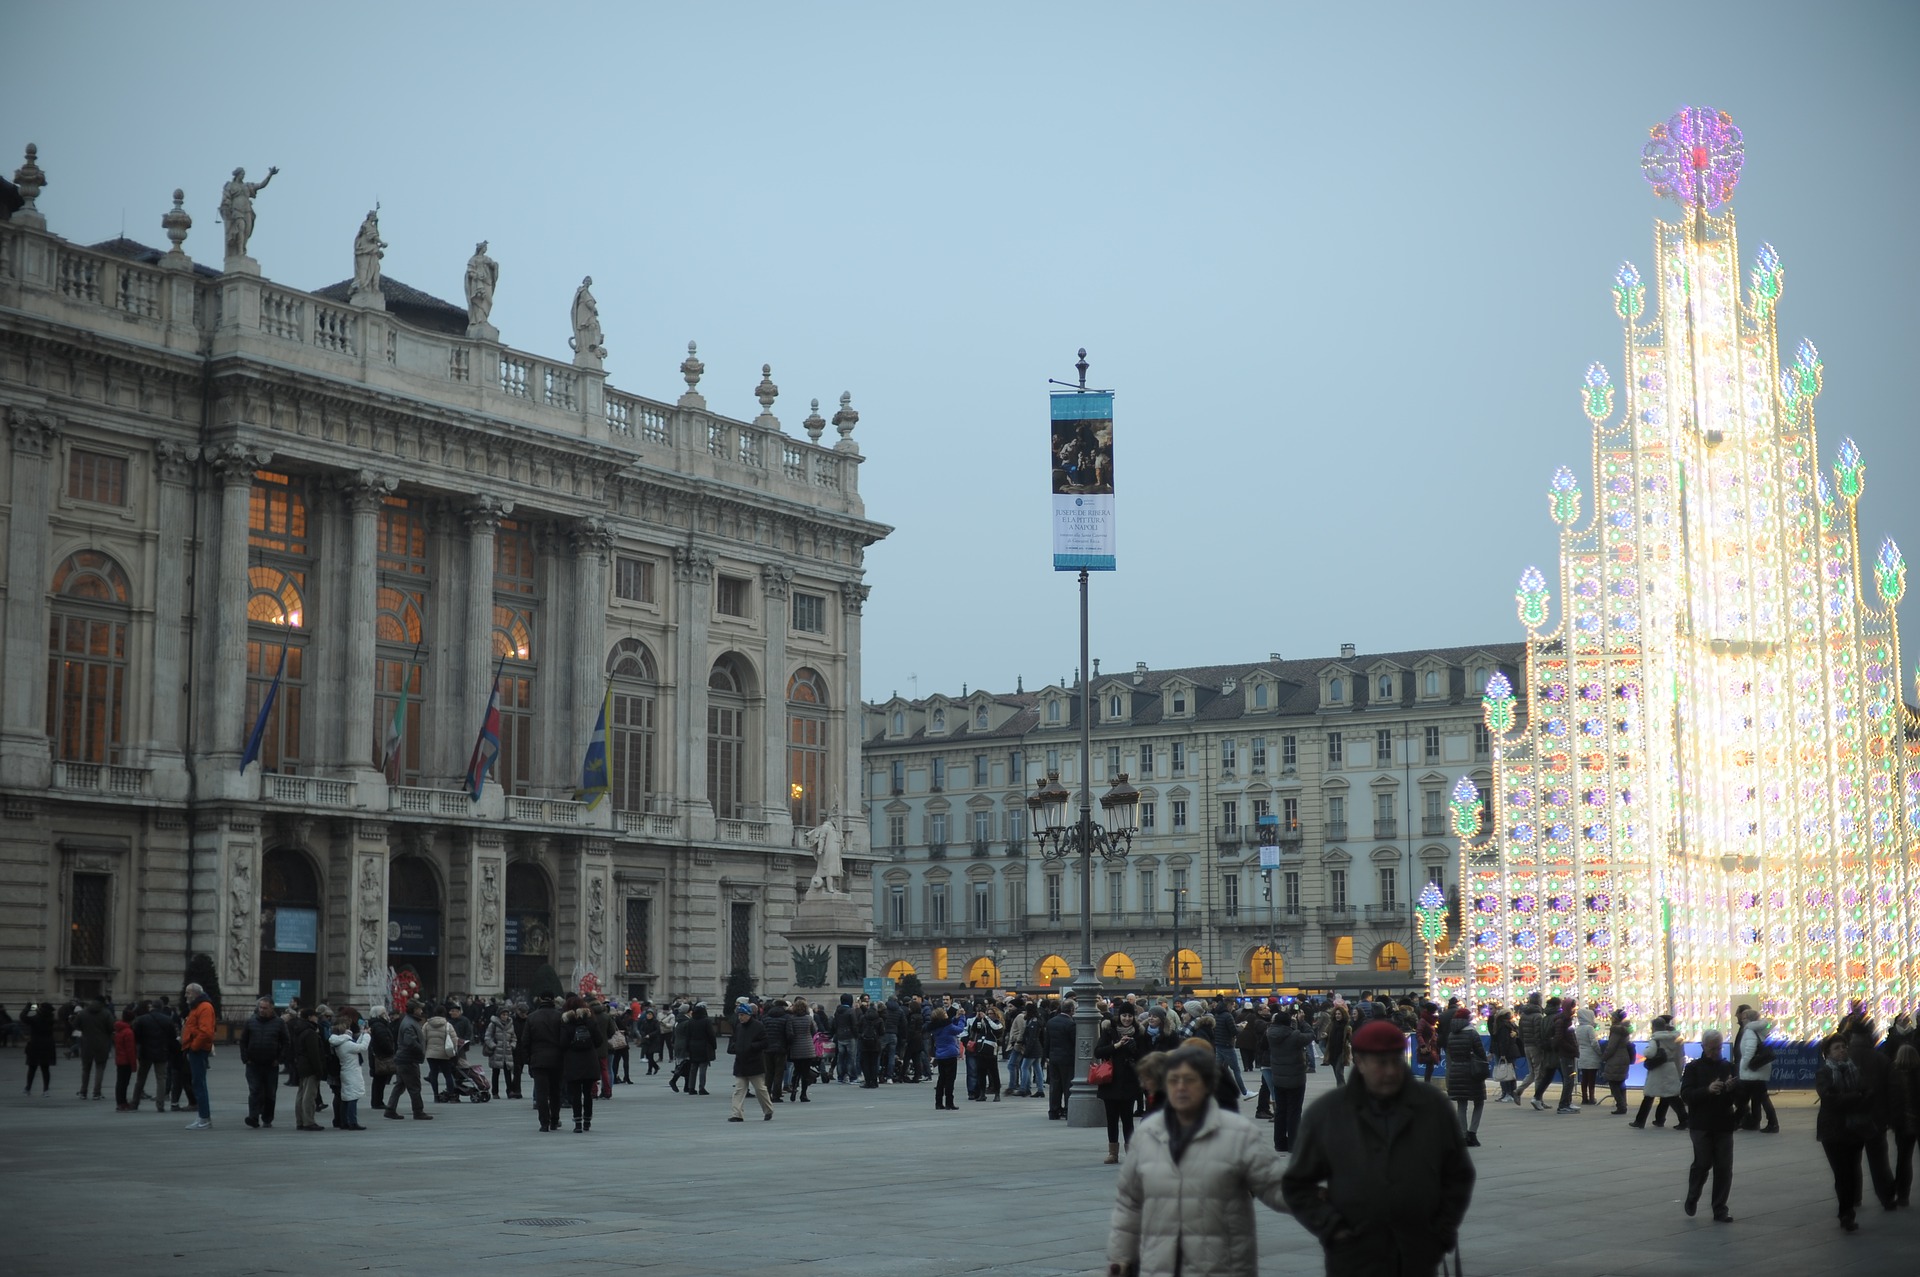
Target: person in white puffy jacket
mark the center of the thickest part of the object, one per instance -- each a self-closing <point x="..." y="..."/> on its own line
<point x="350" y="1041"/>
<point x="1589" y="1064"/>
<point x="1752" y="1098"/>
<point x="1188" y="1180"/>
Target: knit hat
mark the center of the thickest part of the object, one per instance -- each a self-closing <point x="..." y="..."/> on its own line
<point x="1379" y="1036"/>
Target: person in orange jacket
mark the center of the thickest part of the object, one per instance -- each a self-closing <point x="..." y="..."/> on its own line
<point x="196" y="1039"/>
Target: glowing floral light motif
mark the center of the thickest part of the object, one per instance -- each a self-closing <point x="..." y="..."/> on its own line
<point x="1466" y="808"/>
<point x="1891" y="572"/>
<point x="1849" y="474"/>
<point x="1563" y="497"/>
<point x="1432" y="912"/>
<point x="1806" y="369"/>
<point x="1737" y="813"/>
<point x="1694" y="158"/>
<point x="1532" y="596"/>
<point x="1766" y="280"/>
<point x="1497" y="704"/>
<point x="1629" y="295"/>
<point x="1596" y="394"/>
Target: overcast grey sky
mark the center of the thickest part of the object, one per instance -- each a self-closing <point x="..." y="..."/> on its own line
<point x="1344" y="265"/>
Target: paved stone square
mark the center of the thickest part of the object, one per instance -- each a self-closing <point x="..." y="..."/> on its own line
<point x="872" y="1182"/>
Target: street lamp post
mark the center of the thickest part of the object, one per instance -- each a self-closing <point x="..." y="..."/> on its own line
<point x="1269" y="831"/>
<point x="1179" y="965"/>
<point x="1060" y="841"/>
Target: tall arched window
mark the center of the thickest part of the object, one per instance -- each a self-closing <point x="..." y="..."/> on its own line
<point x="1336" y="690"/>
<point x="630" y="736"/>
<point x="87" y="660"/>
<point x="1386" y="687"/>
<point x="400" y="631"/>
<point x="277" y="620"/>
<point x="514" y="611"/>
<point x="728" y="687"/>
<point x="807" y="746"/>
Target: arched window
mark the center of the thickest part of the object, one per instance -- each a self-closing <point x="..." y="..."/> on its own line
<point x="276" y="649"/>
<point x="289" y="923"/>
<point x="1392" y="956"/>
<point x="1183" y="968"/>
<point x="399" y="631"/>
<point x="983" y="974"/>
<point x="980" y="718"/>
<point x="413" y="920"/>
<point x="1266" y="967"/>
<point x="1052" y="967"/>
<point x="1336" y="690"/>
<point x="1386" y="686"/>
<point x="807" y="746"/>
<point x="87" y="660"/>
<point x="899" y="723"/>
<point x="900" y="970"/>
<point x="1118" y="966"/>
<point x="1053" y="711"/>
<point x="514" y="653"/>
<point x="1113" y="707"/>
<point x="1480" y="677"/>
<point x="728" y="687"/>
<point x="1259" y="695"/>
<point x="939" y="720"/>
<point x="630" y="732"/>
<point x="1433" y="682"/>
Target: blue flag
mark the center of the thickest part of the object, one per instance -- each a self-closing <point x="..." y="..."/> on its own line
<point x="252" y="751"/>
<point x="595" y="779"/>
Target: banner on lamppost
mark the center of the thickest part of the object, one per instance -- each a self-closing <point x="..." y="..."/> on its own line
<point x="1082" y="463"/>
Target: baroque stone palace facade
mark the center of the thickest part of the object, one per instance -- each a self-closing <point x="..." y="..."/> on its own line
<point x="1356" y="756"/>
<point x="216" y="481"/>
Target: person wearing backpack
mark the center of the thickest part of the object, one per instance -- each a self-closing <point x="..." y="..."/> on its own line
<point x="581" y="1068"/>
<point x="1663" y="1077"/>
<point x="1755" y="1059"/>
<point x="1616" y="1057"/>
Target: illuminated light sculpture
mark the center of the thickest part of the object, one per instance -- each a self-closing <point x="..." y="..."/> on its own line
<point x="1431" y="912"/>
<point x="1712" y="796"/>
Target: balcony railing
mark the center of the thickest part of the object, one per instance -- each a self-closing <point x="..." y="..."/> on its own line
<point x="307" y="791"/>
<point x="648" y="824"/>
<point x="982" y="847"/>
<point x="742" y="831"/>
<point x="1386" y="828"/>
<point x="1337" y="913"/>
<point x="936" y="851"/>
<point x="429" y="802"/>
<point x="1228" y="840"/>
<point x="1336" y="831"/>
<point x="100" y="778"/>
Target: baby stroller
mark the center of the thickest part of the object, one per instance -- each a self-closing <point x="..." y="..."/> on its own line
<point x="470" y="1080"/>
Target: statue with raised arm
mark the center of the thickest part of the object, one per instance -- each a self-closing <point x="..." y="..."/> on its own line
<point x="586" y="340"/>
<point x="825" y="841"/>
<point x="483" y="273"/>
<point x="236" y="209"/>
<point x="368" y="249"/>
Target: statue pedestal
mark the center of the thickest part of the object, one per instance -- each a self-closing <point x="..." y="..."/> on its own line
<point x="822" y="925"/>
<point x="241" y="265"/>
<point x="483" y="332"/>
<point x="368" y="299"/>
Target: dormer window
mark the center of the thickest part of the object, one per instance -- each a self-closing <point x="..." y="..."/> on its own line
<point x="1259" y="695"/>
<point x="1433" y="682"/>
<point x="1336" y="690"/>
<point x="899" y="723"/>
<point x="1386" y="687"/>
<point x="1053" y="711"/>
<point x="939" y="720"/>
<point x="1113" y="707"/>
<point x="1179" y="702"/>
<point x="1480" y="677"/>
<point x="980" y="718"/>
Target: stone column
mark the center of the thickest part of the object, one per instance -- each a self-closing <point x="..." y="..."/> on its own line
<point x="25" y="759"/>
<point x="693" y="588"/>
<point x="166" y="746"/>
<point x="482" y="517"/>
<point x="776" y="585"/>
<point x="845" y="720"/>
<point x="592" y="541"/>
<point x="233" y="465"/>
<point x="364" y="491"/>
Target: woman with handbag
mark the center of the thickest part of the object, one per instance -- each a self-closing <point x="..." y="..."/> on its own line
<point x="1504" y="1048"/>
<point x="1467" y="1072"/>
<point x="1113" y="1076"/>
<point x="1663" y="1077"/>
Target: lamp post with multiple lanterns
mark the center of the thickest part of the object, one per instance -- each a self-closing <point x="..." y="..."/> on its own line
<point x="1110" y="840"/>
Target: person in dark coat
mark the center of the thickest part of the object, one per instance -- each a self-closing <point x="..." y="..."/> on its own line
<point x="1707" y="1086"/>
<point x="1876" y="1077"/>
<point x="545" y="1054"/>
<point x="651" y="1039"/>
<point x="95" y="1026"/>
<point x="1616" y="1057"/>
<point x="1903" y="1117"/>
<point x="582" y="1059"/>
<point x="1059" y="1035"/>
<point x="703" y="1043"/>
<point x="264" y="1040"/>
<point x="748" y="1047"/>
<point x="1466" y="1072"/>
<point x="41" y="1051"/>
<point x="154" y="1035"/>
<point x="1380" y="1173"/>
<point x="1339" y="1042"/>
<point x="310" y="1056"/>
<point x="800" y="1051"/>
<point x="1119" y="1044"/>
<point x="1845" y="1123"/>
<point x="1287" y="1043"/>
<point x="775" y="1060"/>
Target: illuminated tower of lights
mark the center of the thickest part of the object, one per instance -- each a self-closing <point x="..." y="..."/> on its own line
<point x="1713" y="795"/>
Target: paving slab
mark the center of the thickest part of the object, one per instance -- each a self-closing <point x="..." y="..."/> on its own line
<point x="856" y="1183"/>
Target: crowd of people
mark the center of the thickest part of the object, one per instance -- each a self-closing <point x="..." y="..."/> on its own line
<point x="1163" y="1070"/>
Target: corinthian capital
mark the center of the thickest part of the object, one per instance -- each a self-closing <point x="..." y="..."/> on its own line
<point x="365" y="490"/>
<point x="692" y="565"/>
<point x="33" y="432"/>
<point x="591" y="538"/>
<point x="234" y="463"/>
<point x="483" y="513"/>
<point x="854" y="598"/>
<point x="173" y="462"/>
<point x="776" y="580"/>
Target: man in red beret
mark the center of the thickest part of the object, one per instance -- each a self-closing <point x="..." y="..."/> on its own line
<point x="1380" y="1171"/>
